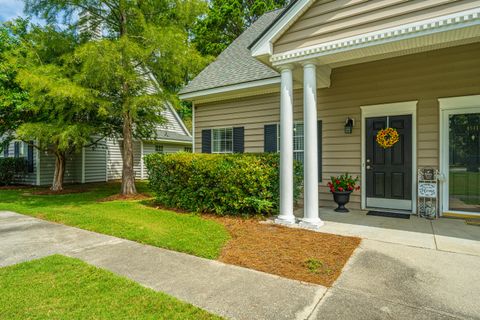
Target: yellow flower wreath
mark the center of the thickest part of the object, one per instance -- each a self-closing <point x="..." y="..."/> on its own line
<point x="387" y="137"/>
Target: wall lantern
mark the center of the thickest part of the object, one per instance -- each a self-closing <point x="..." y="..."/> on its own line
<point x="349" y="123"/>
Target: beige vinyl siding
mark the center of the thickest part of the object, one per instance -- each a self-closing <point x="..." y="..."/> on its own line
<point x="424" y="77"/>
<point x="332" y="20"/>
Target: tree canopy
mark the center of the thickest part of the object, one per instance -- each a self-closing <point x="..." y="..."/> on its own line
<point x="226" y="20"/>
<point x="137" y="37"/>
<point x="56" y="113"/>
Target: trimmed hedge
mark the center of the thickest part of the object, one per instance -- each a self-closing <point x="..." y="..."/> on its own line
<point x="11" y="169"/>
<point x="233" y="184"/>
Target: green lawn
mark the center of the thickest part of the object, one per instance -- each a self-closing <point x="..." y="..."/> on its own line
<point x="58" y="287"/>
<point x="131" y="220"/>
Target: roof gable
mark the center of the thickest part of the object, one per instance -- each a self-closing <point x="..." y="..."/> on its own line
<point x="262" y="46"/>
<point x="174" y="123"/>
<point x="235" y="64"/>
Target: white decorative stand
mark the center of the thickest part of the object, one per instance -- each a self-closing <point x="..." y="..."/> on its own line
<point x="427" y="197"/>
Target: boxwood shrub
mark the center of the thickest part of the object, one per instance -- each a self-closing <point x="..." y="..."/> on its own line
<point x="12" y="169"/>
<point x="235" y="184"/>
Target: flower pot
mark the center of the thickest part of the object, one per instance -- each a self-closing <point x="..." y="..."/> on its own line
<point x="341" y="198"/>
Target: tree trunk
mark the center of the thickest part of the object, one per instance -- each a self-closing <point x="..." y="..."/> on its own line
<point x="128" y="174"/>
<point x="60" y="162"/>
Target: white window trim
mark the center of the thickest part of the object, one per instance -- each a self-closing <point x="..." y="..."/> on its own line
<point x="450" y="106"/>
<point x="211" y="142"/>
<point x="384" y="110"/>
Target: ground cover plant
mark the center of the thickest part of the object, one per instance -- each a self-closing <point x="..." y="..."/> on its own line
<point x="59" y="287"/>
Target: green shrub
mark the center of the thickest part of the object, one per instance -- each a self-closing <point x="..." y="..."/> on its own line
<point x="12" y="169"/>
<point x="222" y="184"/>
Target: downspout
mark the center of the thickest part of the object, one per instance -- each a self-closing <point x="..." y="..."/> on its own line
<point x="193" y="127"/>
<point x="83" y="165"/>
<point x="142" y="176"/>
<point x="37" y="151"/>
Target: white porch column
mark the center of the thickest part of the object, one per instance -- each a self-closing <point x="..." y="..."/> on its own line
<point x="286" y="147"/>
<point x="310" y="216"/>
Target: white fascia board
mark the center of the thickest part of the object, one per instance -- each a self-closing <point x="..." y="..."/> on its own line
<point x="236" y="87"/>
<point x="458" y="20"/>
<point x="264" y="46"/>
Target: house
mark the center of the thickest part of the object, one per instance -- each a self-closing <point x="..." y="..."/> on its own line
<point x="331" y="74"/>
<point x="103" y="162"/>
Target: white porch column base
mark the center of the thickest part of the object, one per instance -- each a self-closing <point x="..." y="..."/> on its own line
<point x="286" y="147"/>
<point x="311" y="224"/>
<point x="310" y="216"/>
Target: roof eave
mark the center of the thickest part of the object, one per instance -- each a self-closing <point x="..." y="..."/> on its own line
<point x="233" y="91"/>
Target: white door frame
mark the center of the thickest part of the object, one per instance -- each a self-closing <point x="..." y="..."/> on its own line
<point x="384" y="110"/>
<point x="449" y="106"/>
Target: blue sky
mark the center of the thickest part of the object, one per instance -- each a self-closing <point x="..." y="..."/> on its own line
<point x="10" y="9"/>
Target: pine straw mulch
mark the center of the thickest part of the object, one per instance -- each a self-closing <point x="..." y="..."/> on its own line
<point x="138" y="196"/>
<point x="48" y="192"/>
<point x="288" y="252"/>
<point x="15" y="187"/>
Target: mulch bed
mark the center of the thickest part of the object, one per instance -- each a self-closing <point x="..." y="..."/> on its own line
<point x="291" y="253"/>
<point x="138" y="196"/>
<point x="48" y="192"/>
<point x="15" y="187"/>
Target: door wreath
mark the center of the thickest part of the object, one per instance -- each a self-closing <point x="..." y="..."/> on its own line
<point x="387" y="137"/>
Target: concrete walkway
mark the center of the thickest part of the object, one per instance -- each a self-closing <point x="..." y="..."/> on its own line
<point x="222" y="289"/>
<point x="382" y="280"/>
<point x="452" y="235"/>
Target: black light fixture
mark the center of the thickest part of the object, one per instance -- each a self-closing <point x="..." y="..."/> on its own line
<point x="349" y="125"/>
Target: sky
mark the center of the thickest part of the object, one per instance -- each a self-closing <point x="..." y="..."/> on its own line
<point x="10" y="9"/>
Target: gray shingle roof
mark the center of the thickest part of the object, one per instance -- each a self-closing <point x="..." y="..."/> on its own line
<point x="235" y="64"/>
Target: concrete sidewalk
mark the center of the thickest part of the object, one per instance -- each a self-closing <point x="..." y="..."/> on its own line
<point x="452" y="235"/>
<point x="392" y="281"/>
<point x="222" y="289"/>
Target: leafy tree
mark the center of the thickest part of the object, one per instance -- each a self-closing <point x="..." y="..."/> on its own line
<point x="63" y="116"/>
<point x="139" y="37"/>
<point x="13" y="99"/>
<point x="226" y="20"/>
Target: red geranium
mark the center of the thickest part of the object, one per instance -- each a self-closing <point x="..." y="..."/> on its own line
<point x="342" y="183"/>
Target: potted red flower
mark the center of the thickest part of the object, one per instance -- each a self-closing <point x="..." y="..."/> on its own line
<point x="341" y="187"/>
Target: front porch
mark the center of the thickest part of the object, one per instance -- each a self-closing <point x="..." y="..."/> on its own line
<point x="444" y="234"/>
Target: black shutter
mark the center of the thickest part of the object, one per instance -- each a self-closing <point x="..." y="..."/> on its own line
<point x="16" y="149"/>
<point x="270" y="138"/>
<point x="238" y="140"/>
<point x="319" y="146"/>
<point x="207" y="141"/>
<point x="30" y="157"/>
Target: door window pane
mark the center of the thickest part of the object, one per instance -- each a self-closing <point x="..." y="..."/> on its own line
<point x="464" y="162"/>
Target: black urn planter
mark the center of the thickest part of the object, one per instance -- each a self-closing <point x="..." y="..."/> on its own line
<point x="341" y="198"/>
